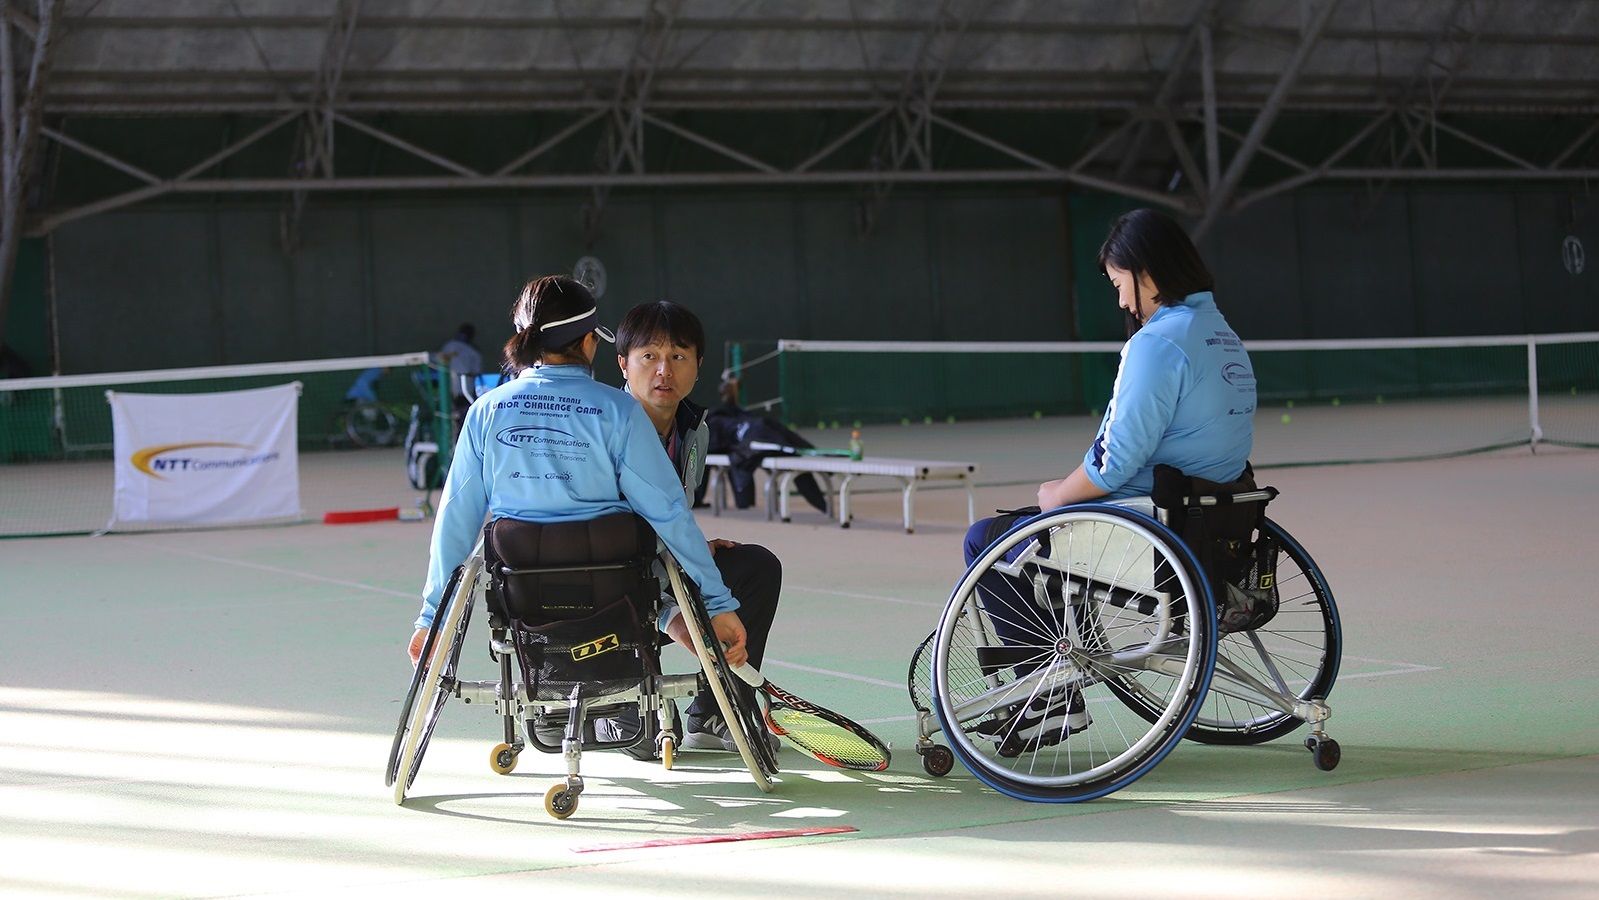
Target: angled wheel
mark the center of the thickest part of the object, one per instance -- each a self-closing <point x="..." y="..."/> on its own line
<point x="743" y="720"/>
<point x="371" y="425"/>
<point x="503" y="758"/>
<point x="1295" y="655"/>
<point x="1046" y="632"/>
<point x="434" y="678"/>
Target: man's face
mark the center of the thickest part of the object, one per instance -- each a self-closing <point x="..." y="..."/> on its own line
<point x="660" y="374"/>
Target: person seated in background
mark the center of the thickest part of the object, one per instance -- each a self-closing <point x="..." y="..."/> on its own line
<point x="659" y="348"/>
<point x="1184" y="396"/>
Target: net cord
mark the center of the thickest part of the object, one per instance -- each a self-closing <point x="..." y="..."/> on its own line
<point x="278" y="368"/>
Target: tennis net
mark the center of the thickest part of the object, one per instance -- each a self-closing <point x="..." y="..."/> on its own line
<point x="56" y="472"/>
<point x="1346" y="400"/>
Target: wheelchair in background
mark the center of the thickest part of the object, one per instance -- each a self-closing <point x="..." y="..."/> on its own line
<point x="572" y="608"/>
<point x="1085" y="642"/>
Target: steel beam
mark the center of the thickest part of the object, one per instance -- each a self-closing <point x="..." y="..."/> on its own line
<point x="22" y="124"/>
<point x="1222" y="194"/>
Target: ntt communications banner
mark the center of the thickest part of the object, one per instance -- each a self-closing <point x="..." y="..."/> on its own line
<point x="205" y="459"/>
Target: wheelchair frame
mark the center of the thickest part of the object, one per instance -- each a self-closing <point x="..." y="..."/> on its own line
<point x="1084" y="639"/>
<point x="434" y="683"/>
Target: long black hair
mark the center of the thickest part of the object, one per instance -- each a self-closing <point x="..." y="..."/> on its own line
<point x="550" y="298"/>
<point x="1147" y="242"/>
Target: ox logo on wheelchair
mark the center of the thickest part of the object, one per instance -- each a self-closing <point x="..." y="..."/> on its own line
<point x="595" y="647"/>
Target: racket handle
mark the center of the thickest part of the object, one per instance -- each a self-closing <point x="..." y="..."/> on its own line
<point x="760" y="446"/>
<point x="749" y="674"/>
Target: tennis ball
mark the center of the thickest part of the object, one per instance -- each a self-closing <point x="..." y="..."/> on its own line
<point x="904" y="421"/>
<point x="927" y="420"/>
<point x="835" y="423"/>
<point x="857" y="423"/>
<point x="1094" y="413"/>
<point x="1290" y="404"/>
<point x="1287" y="418"/>
<point x="1335" y="401"/>
<point x="950" y="420"/>
<point x="821" y="426"/>
<point x="1037" y="414"/>
<point x="1379" y="398"/>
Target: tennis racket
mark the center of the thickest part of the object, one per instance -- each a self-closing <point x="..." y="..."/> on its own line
<point x="769" y="447"/>
<point x="819" y="733"/>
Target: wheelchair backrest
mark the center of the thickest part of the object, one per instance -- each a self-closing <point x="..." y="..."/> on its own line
<point x="548" y="572"/>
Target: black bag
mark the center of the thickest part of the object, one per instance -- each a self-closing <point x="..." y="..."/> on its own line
<point x="606" y="651"/>
<point x="1229" y="538"/>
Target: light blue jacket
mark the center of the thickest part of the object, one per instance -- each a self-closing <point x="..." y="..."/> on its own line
<point x="554" y="445"/>
<point x="1184" y="396"/>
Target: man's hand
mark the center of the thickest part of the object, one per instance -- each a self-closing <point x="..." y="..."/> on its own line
<point x="417" y="640"/>
<point x="718" y="543"/>
<point x="729" y="630"/>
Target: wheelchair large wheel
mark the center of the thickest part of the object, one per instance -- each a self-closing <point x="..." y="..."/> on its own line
<point x="1301" y="646"/>
<point x="434" y="679"/>
<point x="744" y="722"/>
<point x="371" y="425"/>
<point x="1047" y="629"/>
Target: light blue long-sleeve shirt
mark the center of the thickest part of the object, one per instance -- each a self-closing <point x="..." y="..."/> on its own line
<point x="1184" y="396"/>
<point x="554" y="445"/>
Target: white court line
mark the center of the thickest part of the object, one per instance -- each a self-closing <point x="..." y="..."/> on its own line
<point x="896" y="685"/>
<point x="859" y="596"/>
<point x="359" y="585"/>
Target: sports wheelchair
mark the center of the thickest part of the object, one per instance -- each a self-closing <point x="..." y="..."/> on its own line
<point x="1085" y="642"/>
<point x="572" y="609"/>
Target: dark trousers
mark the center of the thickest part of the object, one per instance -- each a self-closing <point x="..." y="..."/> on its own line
<point x="755" y="576"/>
<point x="1009" y="601"/>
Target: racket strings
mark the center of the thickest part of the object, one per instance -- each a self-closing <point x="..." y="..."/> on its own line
<point x="826" y="740"/>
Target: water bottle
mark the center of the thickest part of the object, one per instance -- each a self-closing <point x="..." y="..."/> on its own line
<point x="855" y="448"/>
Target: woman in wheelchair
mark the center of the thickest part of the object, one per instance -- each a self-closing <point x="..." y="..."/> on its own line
<point x="553" y="445"/>
<point x="1184" y="396"/>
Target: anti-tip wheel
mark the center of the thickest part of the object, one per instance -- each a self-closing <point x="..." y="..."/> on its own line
<point x="502" y="759"/>
<point x="1325" y="752"/>
<point x="938" y="761"/>
<point x="560" y="802"/>
<point x="668" y="753"/>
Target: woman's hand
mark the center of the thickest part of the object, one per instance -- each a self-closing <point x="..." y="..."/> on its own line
<point x="1074" y="488"/>
<point x="716" y="544"/>
<point x="417" y="640"/>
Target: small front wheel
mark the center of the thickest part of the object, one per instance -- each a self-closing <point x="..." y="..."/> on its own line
<point x="502" y="759"/>
<point x="560" y="801"/>
<point x="938" y="761"/>
<point x="1325" y="752"/>
<point x="667" y="753"/>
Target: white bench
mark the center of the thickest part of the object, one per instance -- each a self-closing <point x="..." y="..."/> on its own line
<point x="909" y="472"/>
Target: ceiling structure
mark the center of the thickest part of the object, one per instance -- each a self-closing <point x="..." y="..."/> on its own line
<point x="1200" y="106"/>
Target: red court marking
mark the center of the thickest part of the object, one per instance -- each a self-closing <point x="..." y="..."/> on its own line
<point x="717" y="839"/>
<point x="353" y="516"/>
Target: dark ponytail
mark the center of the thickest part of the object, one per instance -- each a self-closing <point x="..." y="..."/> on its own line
<point x="549" y="298"/>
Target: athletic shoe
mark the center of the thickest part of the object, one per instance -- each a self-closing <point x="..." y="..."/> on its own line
<point x="710" y="733"/>
<point x="1042" y="722"/>
<point x="648" y="747"/>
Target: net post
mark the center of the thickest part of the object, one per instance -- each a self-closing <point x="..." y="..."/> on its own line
<point x="1532" y="394"/>
<point x="444" y="421"/>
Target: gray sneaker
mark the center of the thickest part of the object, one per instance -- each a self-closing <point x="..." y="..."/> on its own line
<point x="648" y="746"/>
<point x="710" y="733"/>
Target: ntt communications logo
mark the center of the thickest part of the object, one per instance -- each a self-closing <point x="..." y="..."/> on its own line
<point x="523" y="436"/>
<point x="158" y="462"/>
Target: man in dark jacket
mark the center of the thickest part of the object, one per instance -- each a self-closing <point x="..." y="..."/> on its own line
<point x="660" y="347"/>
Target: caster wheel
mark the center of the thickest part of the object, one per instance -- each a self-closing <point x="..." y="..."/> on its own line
<point x="667" y="753"/>
<point x="938" y="761"/>
<point x="560" y="802"/>
<point x="1326" y="753"/>
<point x="502" y="759"/>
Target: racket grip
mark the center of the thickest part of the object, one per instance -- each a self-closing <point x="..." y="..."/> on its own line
<point x="749" y="674"/>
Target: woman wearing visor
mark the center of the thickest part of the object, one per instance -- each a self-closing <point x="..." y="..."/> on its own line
<point x="554" y="445"/>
